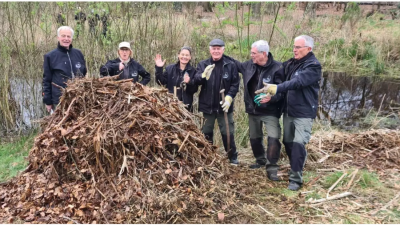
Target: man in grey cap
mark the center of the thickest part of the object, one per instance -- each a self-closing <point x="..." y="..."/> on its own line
<point x="218" y="76"/>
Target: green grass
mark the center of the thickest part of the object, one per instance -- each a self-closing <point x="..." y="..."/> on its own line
<point x="283" y="191"/>
<point x="331" y="179"/>
<point x="13" y="156"/>
<point x="369" y="180"/>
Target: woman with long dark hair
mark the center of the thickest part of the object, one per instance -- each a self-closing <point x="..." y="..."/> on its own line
<point x="176" y="77"/>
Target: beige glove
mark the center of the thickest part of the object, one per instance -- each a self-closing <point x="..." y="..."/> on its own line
<point x="268" y="88"/>
<point x="227" y="103"/>
<point x="207" y="72"/>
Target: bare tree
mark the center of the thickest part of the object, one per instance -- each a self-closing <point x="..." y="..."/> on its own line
<point x="207" y="7"/>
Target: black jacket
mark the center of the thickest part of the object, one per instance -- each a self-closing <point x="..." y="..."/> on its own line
<point x="173" y="77"/>
<point x="57" y="67"/>
<point x="111" y="68"/>
<point x="248" y="69"/>
<point x="301" y="84"/>
<point x="229" y="81"/>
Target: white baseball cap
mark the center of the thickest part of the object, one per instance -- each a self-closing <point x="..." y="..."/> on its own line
<point x="124" y="45"/>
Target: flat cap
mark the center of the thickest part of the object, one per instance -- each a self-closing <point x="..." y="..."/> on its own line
<point x="217" y="42"/>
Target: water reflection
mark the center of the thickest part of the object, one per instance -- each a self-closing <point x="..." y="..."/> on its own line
<point x="342" y="97"/>
<point x="27" y="94"/>
<point x="345" y="97"/>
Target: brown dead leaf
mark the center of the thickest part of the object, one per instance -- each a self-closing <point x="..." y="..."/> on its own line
<point x="79" y="213"/>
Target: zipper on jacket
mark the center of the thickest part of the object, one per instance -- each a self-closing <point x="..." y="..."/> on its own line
<point x="221" y="81"/>
<point x="212" y="94"/>
<point x="70" y="63"/>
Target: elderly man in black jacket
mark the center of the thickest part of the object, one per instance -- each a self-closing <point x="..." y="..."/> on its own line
<point x="301" y="75"/>
<point x="125" y="66"/>
<point x="214" y="75"/>
<point x="260" y="69"/>
<point x="60" y="65"/>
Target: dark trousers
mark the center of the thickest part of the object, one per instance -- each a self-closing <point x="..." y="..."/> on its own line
<point x="208" y="131"/>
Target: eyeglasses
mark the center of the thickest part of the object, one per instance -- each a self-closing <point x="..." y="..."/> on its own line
<point x="299" y="47"/>
<point x="255" y="53"/>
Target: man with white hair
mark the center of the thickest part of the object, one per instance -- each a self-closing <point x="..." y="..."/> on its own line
<point x="256" y="71"/>
<point x="300" y="75"/>
<point x="60" y="65"/>
<point x="218" y="76"/>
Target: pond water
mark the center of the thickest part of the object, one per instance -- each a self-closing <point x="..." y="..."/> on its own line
<point x="344" y="97"/>
<point x="28" y="96"/>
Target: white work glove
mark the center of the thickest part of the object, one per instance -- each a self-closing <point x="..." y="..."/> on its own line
<point x="268" y="88"/>
<point x="207" y="72"/>
<point x="227" y="103"/>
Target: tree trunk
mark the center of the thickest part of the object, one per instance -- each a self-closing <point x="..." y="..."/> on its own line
<point x="206" y="6"/>
<point x="270" y="8"/>
<point x="255" y="9"/>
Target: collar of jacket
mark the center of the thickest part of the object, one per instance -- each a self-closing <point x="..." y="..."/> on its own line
<point x="188" y="66"/>
<point x="63" y="49"/>
<point x="302" y="60"/>
<point x="224" y="58"/>
<point x="119" y="60"/>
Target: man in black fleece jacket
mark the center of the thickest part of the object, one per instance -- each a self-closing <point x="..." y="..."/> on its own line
<point x="59" y="66"/>
<point x="301" y="75"/>
<point x="215" y="74"/>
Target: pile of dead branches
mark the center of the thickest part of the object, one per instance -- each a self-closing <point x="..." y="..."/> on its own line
<point x="113" y="152"/>
<point x="373" y="149"/>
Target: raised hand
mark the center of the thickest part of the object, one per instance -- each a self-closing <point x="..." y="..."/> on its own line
<point x="158" y="60"/>
<point x="207" y="71"/>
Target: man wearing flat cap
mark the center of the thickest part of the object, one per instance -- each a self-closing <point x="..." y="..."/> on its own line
<point x="125" y="66"/>
<point x="215" y="75"/>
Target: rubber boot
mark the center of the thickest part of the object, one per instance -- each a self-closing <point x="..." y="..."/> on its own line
<point x="209" y="137"/>
<point x="273" y="153"/>
<point x="297" y="161"/>
<point x="258" y="152"/>
<point x="232" y="153"/>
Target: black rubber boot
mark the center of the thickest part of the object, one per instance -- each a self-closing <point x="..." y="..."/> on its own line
<point x="273" y="175"/>
<point x="258" y="152"/>
<point x="288" y="149"/>
<point x="297" y="161"/>
<point x="232" y="153"/>
<point x="273" y="150"/>
<point x="209" y="137"/>
<point x="294" y="186"/>
<point x="298" y="157"/>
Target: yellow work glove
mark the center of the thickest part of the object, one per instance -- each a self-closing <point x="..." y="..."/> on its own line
<point x="268" y="88"/>
<point x="207" y="72"/>
<point x="227" y="103"/>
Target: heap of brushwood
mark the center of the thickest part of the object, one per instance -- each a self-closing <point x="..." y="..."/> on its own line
<point x="373" y="149"/>
<point x="113" y="152"/>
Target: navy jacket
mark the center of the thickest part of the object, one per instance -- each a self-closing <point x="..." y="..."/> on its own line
<point x="229" y="81"/>
<point x="301" y="85"/>
<point x="57" y="67"/>
<point x="248" y="70"/>
<point x="173" y="77"/>
<point x="111" y="68"/>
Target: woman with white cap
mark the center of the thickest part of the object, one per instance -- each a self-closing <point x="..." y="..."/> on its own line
<point x="125" y="66"/>
<point x="176" y="76"/>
